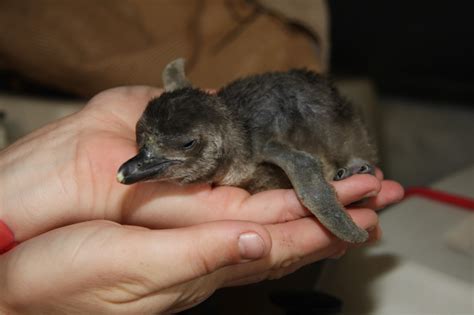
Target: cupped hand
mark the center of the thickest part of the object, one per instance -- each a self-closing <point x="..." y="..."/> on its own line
<point x="65" y="173"/>
<point x="101" y="267"/>
<point x="91" y="244"/>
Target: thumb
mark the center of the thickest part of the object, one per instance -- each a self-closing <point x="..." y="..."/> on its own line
<point x="178" y="255"/>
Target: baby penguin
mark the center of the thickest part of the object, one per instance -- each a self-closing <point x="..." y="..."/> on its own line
<point x="274" y="130"/>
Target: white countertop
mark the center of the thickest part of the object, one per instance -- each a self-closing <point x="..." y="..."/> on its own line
<point x="423" y="265"/>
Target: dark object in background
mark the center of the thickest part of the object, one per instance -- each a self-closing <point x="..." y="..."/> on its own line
<point x="299" y="302"/>
<point x="3" y="136"/>
<point x="415" y="48"/>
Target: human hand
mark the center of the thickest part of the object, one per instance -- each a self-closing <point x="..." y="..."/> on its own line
<point x="103" y="267"/>
<point x="71" y="165"/>
<point x="64" y="173"/>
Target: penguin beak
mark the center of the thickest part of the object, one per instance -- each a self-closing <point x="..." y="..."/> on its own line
<point x="142" y="167"/>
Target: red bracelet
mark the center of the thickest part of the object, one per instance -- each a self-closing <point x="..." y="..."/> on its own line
<point x="7" y="240"/>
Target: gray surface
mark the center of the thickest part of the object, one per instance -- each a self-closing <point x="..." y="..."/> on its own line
<point x="25" y="114"/>
<point x="415" y="269"/>
<point x="425" y="141"/>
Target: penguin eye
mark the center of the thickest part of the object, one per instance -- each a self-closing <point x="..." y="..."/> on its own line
<point x="189" y="145"/>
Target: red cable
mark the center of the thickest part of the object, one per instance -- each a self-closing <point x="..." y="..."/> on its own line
<point x="441" y="196"/>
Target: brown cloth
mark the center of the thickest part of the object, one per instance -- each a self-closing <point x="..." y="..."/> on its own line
<point x="87" y="46"/>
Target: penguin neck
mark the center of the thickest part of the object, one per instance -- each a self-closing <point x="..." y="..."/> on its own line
<point x="235" y="155"/>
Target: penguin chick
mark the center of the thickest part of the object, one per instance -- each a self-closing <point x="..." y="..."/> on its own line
<point x="274" y="130"/>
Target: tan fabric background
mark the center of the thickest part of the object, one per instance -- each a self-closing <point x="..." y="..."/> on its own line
<point x="87" y="46"/>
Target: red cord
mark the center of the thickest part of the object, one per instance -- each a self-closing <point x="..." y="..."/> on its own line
<point x="7" y="240"/>
<point x="441" y="196"/>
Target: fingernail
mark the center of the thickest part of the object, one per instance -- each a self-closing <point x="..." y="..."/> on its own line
<point x="371" y="194"/>
<point x="251" y="246"/>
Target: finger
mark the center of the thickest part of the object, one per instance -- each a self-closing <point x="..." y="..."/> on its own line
<point x="375" y="235"/>
<point x="379" y="174"/>
<point x="286" y="251"/>
<point x="291" y="241"/>
<point x="272" y="274"/>
<point x="126" y="103"/>
<point x="335" y="251"/>
<point x="356" y="187"/>
<point x="278" y="273"/>
<point x="192" y="252"/>
<point x="391" y="192"/>
<point x="154" y="204"/>
<point x="272" y="206"/>
<point x="283" y="205"/>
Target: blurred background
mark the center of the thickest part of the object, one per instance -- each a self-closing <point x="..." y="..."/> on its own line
<point x="408" y="65"/>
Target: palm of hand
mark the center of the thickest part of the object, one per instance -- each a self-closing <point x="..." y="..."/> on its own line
<point x="89" y="147"/>
<point x="78" y="159"/>
<point x="109" y="142"/>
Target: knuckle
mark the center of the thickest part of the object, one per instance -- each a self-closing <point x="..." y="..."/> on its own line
<point x="292" y="208"/>
<point x="205" y="262"/>
<point x="288" y="262"/>
<point x="201" y="263"/>
<point x="285" y="238"/>
<point x="283" y="268"/>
